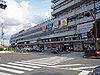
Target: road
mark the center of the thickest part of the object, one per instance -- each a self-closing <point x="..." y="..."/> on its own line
<point x="46" y="64"/>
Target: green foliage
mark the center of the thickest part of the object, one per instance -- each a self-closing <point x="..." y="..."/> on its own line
<point x="1" y="49"/>
<point x="93" y="30"/>
<point x="98" y="27"/>
<point x="19" y="51"/>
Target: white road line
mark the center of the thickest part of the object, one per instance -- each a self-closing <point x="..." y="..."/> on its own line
<point x="80" y="68"/>
<point x="11" y="70"/>
<point x="1" y="73"/>
<point x="16" y="67"/>
<point x="24" y="65"/>
<point x="84" y="73"/>
<point x="66" y="65"/>
<point x="48" y="61"/>
<point x="34" y="64"/>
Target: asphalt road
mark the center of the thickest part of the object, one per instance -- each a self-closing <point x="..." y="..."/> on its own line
<point x="46" y="64"/>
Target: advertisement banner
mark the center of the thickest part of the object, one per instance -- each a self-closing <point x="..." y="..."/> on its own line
<point x="43" y="28"/>
<point x="63" y="22"/>
<point x="55" y="24"/>
<point x="49" y="27"/>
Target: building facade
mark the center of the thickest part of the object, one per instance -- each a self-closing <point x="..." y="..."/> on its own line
<point x="70" y="26"/>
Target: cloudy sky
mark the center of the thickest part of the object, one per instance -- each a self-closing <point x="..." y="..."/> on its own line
<point x="22" y="12"/>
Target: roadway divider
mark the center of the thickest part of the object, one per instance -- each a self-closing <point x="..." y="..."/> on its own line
<point x="14" y="51"/>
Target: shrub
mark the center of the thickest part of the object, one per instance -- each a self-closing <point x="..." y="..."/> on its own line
<point x="1" y="49"/>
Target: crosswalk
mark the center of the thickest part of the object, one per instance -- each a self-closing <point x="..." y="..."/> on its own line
<point x="21" y="67"/>
<point x="24" y="66"/>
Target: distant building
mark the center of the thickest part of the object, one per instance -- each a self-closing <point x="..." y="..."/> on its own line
<point x="69" y="28"/>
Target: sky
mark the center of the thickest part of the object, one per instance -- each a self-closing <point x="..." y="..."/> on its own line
<point x="20" y="13"/>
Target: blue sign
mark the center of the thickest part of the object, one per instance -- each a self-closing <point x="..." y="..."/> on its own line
<point x="84" y="35"/>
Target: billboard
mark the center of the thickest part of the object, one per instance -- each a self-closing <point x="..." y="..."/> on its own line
<point x="43" y="28"/>
<point x="49" y="27"/>
<point x="63" y="22"/>
<point x="56" y="24"/>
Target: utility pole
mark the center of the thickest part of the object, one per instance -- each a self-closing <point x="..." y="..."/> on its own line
<point x="2" y="33"/>
<point x="2" y="6"/>
<point x="96" y="43"/>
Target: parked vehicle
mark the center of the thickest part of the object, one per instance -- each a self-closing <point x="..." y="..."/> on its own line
<point x="28" y="49"/>
<point x="55" y="50"/>
<point x="37" y="49"/>
<point x="96" y="71"/>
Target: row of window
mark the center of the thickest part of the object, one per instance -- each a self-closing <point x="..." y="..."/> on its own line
<point x="83" y="14"/>
<point x="75" y="8"/>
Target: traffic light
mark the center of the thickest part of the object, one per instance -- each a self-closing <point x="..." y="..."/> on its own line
<point x="91" y="32"/>
<point x="87" y="14"/>
<point x="3" y="4"/>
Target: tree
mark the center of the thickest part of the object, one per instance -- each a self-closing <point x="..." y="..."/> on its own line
<point x="90" y="35"/>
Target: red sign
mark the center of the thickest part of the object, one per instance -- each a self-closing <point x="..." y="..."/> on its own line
<point x="97" y="52"/>
<point x="43" y="28"/>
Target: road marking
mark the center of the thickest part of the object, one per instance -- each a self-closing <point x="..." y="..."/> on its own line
<point x="24" y="65"/>
<point x="48" y="61"/>
<point x="16" y="67"/>
<point x="34" y="64"/>
<point x="67" y="65"/>
<point x="11" y="70"/>
<point x="1" y="73"/>
<point x="84" y="73"/>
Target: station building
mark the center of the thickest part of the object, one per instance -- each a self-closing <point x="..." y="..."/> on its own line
<point x="70" y="27"/>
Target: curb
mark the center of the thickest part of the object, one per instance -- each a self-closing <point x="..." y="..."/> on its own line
<point x="92" y="57"/>
<point x="6" y="51"/>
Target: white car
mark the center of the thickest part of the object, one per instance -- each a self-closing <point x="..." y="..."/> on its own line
<point x="28" y="49"/>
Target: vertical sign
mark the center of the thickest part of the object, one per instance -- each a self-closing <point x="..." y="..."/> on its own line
<point x="43" y="28"/>
<point x="63" y="22"/>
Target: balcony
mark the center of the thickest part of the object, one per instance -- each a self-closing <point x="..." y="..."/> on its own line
<point x="57" y="3"/>
<point x="54" y="1"/>
<point x="64" y="7"/>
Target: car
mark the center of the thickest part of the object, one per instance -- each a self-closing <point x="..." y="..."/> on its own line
<point x="28" y="49"/>
<point x="55" y="50"/>
<point x="96" y="71"/>
<point x="37" y="49"/>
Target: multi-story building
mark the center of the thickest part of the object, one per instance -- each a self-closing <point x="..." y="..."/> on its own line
<point x="69" y="28"/>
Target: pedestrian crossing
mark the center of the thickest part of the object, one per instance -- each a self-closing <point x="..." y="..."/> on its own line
<point x="21" y="67"/>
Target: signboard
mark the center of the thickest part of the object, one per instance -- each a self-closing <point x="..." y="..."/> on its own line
<point x="56" y="24"/>
<point x="63" y="22"/>
<point x="84" y="26"/>
<point x="98" y="10"/>
<point x="49" y="27"/>
<point x="84" y="35"/>
<point x="43" y="28"/>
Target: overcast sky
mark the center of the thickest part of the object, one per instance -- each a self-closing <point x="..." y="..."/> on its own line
<point x="22" y="12"/>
